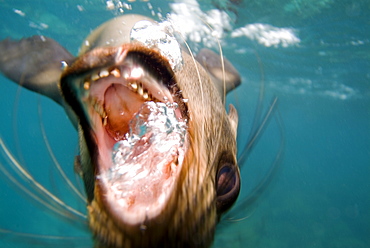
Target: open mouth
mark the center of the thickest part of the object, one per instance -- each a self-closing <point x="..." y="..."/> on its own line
<point x="131" y="108"/>
<point x="113" y="96"/>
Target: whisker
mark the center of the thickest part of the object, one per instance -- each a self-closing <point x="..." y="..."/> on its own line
<point x="44" y="240"/>
<point x="223" y="99"/>
<point x="221" y="59"/>
<point x="263" y="184"/>
<point x="202" y="100"/>
<point x="52" y="155"/>
<point x="259" y="107"/>
<point x="223" y="82"/>
<point x="40" y="236"/>
<point x="231" y="219"/>
<point x="257" y="128"/>
<point x="6" y="175"/>
<point x="196" y="67"/>
<point x="256" y="133"/>
<point x="15" y="122"/>
<point x="10" y="177"/>
<point x="37" y="186"/>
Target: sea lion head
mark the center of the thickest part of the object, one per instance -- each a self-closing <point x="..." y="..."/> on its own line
<point x="147" y="186"/>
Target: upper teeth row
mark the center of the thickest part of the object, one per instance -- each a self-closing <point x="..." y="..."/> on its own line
<point x="138" y="88"/>
<point x="115" y="72"/>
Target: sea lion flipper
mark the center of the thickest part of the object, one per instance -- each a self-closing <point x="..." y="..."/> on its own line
<point x="35" y="63"/>
<point x="212" y="62"/>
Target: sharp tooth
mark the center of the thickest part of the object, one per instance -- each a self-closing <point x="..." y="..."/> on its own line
<point x="140" y="90"/>
<point x="104" y="73"/>
<point x="145" y="95"/>
<point x="134" y="85"/>
<point x="116" y="72"/>
<point x="87" y="85"/>
<point x="94" y="77"/>
<point x="125" y="75"/>
<point x="105" y="121"/>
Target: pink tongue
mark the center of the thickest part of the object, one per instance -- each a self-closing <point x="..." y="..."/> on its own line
<point x="121" y="105"/>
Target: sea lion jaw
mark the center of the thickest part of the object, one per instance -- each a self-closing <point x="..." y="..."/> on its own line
<point x="108" y="94"/>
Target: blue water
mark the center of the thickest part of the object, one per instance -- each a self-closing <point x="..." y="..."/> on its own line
<point x="320" y="196"/>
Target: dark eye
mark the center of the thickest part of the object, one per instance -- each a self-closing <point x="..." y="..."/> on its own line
<point x="228" y="186"/>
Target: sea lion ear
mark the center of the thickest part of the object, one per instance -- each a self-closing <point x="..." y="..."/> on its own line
<point x="35" y="63"/>
<point x="212" y="62"/>
<point x="233" y="118"/>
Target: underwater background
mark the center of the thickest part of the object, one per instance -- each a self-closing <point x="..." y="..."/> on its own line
<point x="313" y="55"/>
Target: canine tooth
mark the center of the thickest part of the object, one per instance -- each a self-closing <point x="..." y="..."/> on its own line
<point x="145" y="95"/>
<point x="104" y="73"/>
<point x="116" y="72"/>
<point x="140" y="90"/>
<point x="94" y="77"/>
<point x="105" y="121"/>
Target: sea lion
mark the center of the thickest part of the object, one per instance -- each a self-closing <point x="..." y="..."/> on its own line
<point x="120" y="77"/>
